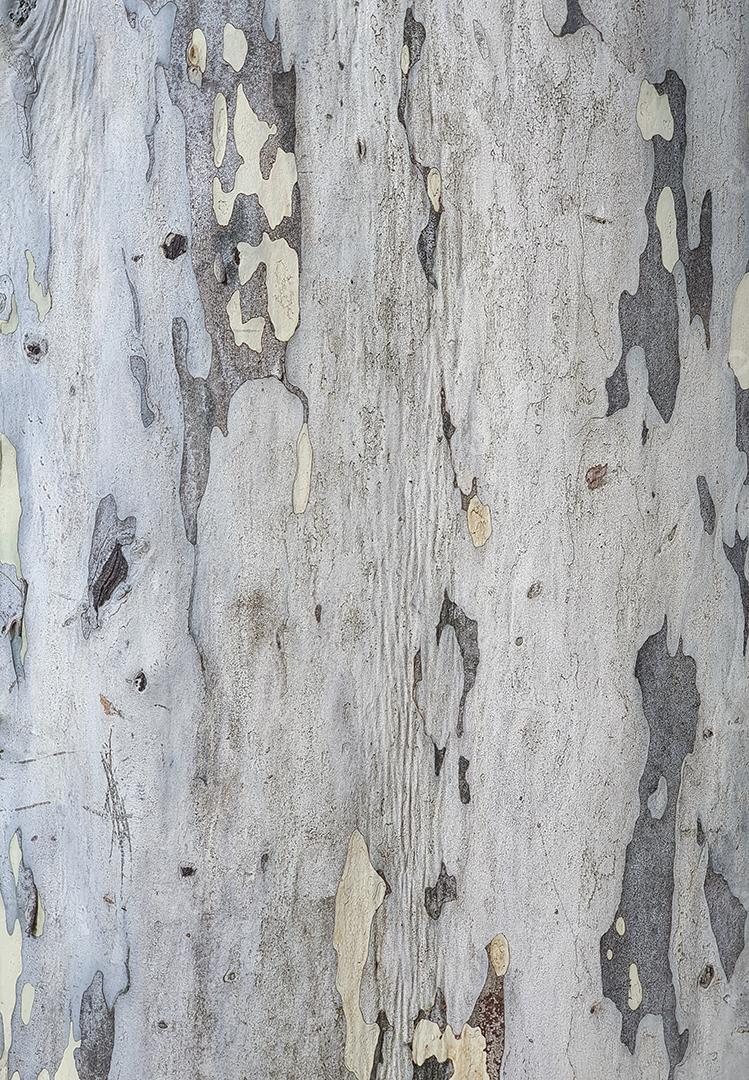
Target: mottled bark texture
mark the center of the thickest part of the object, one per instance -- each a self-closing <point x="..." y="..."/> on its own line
<point x="373" y="540"/>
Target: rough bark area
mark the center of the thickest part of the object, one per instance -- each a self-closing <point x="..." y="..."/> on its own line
<point x="373" y="538"/>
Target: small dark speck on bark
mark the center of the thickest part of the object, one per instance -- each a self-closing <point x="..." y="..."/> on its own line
<point x="174" y="245"/>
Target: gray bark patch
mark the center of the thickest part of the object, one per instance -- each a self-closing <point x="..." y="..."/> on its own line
<point x="464" y="788"/>
<point x="379" y="1056"/>
<point x="175" y="244"/>
<point x="489" y="1017"/>
<point x="414" y="36"/>
<point x="433" y="1070"/>
<point x="707" y="506"/>
<point x="742" y="422"/>
<point x="107" y="565"/>
<point x="94" y="1056"/>
<point x="139" y="370"/>
<point x="736" y="556"/>
<point x="436" y="896"/>
<point x="27" y="897"/>
<point x="575" y="19"/>
<point x="641" y="931"/>
<point x="649" y="318"/>
<point x="271" y="92"/>
<point x="466" y="632"/>
<point x="727" y="918"/>
<point x="12" y="600"/>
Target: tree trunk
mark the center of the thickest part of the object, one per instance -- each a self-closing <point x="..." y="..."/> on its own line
<point x="373" y="536"/>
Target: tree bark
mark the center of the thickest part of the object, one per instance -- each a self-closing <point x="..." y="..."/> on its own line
<point x="373" y="537"/>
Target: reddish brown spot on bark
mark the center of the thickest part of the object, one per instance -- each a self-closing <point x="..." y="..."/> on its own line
<point x="595" y="477"/>
<point x="108" y="707"/>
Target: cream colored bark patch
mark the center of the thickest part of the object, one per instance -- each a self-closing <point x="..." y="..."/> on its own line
<point x="220" y="128"/>
<point x="499" y="954"/>
<point x="10" y="506"/>
<point x="67" y="1069"/>
<point x="467" y="1052"/>
<point x="479" y="517"/>
<point x="665" y="219"/>
<point x="620" y="926"/>
<point x="248" y="333"/>
<point x="273" y="194"/>
<point x="303" y="477"/>
<point x="738" y="351"/>
<point x="434" y="189"/>
<point x="654" y="113"/>
<point x="235" y="47"/>
<point x="405" y="59"/>
<point x="634" y="998"/>
<point x="360" y="892"/>
<point x="41" y="300"/>
<point x="16" y="855"/>
<point x="197" y="55"/>
<point x="10" y="325"/>
<point x="11" y="965"/>
<point x="282" y="281"/>
<point x="27" y="1002"/>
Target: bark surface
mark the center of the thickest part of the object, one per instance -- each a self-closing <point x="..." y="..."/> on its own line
<point x="373" y="535"/>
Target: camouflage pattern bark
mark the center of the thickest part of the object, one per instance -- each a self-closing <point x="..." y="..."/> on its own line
<point x="373" y="540"/>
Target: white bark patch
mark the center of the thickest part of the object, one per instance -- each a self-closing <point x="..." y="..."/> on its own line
<point x="360" y="892"/>
<point x="654" y="113"/>
<point x="738" y="353"/>
<point x="479" y="518"/>
<point x="197" y="54"/>
<point x="220" y="128"/>
<point x="620" y="926"/>
<point x="467" y="1052"/>
<point x="658" y="800"/>
<point x="248" y="333"/>
<point x="235" y="47"/>
<point x="634" y="999"/>
<point x="282" y="281"/>
<point x="303" y="477"/>
<point x="41" y="300"/>
<point x="274" y="194"/>
<point x="665" y="219"/>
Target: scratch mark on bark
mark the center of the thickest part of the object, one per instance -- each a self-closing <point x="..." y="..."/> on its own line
<point x="114" y="808"/>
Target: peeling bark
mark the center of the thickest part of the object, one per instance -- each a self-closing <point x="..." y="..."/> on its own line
<point x="373" y="540"/>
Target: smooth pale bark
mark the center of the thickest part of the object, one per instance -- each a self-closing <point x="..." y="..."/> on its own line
<point x="374" y="694"/>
